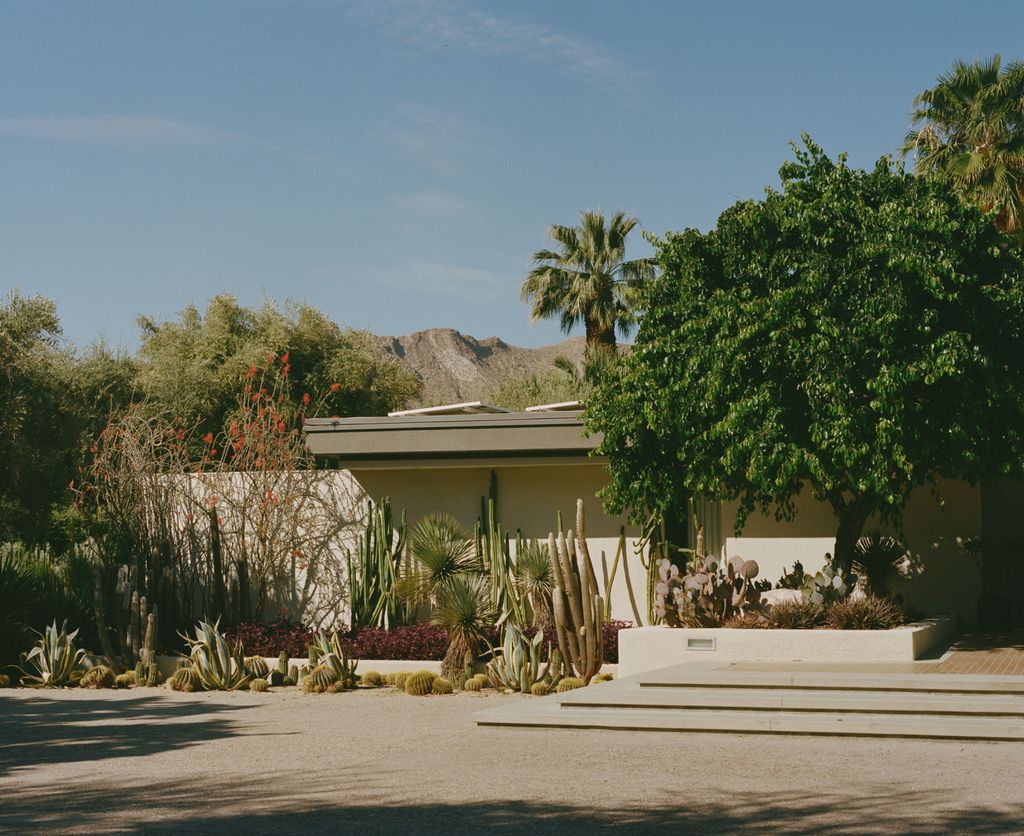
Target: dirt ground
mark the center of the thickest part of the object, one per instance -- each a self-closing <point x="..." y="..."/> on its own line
<point x="382" y="762"/>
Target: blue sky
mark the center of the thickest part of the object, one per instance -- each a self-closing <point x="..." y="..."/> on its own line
<point x="396" y="163"/>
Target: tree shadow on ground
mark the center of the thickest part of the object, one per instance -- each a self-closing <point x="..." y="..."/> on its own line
<point x="359" y="801"/>
<point x="38" y="729"/>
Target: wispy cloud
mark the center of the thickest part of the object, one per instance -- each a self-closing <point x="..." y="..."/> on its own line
<point x="432" y="24"/>
<point x="123" y="131"/>
<point x="418" y="275"/>
<point x="435" y="202"/>
<point x="438" y="141"/>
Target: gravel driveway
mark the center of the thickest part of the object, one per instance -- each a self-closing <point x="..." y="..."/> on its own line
<point x="382" y="762"/>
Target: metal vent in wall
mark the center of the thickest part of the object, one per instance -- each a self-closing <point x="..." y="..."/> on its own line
<point x="700" y="644"/>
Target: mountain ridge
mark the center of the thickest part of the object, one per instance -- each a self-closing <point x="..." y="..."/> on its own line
<point x="456" y="367"/>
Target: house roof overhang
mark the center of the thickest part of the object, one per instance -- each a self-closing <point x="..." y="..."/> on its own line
<point x="513" y="437"/>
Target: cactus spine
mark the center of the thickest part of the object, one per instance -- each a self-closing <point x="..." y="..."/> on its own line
<point x="577" y="603"/>
<point x="420" y="683"/>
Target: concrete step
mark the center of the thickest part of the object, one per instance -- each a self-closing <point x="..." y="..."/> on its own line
<point x="722" y="675"/>
<point x="548" y="713"/>
<point x="630" y="695"/>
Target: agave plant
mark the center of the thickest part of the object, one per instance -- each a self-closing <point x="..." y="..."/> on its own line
<point x="55" y="660"/>
<point x="219" y="666"/>
<point x="535" y="580"/>
<point x="331" y="653"/>
<point x="465" y="610"/>
<point x="517" y="663"/>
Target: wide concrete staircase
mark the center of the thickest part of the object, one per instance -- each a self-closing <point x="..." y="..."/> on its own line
<point x="785" y="699"/>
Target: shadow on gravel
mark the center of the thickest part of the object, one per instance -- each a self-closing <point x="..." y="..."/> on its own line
<point x="285" y="803"/>
<point x="42" y="730"/>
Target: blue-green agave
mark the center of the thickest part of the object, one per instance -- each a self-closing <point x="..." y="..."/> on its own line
<point x="219" y="666"/>
<point x="55" y="661"/>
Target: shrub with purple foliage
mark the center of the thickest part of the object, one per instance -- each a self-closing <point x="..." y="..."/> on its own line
<point x="270" y="639"/>
<point x="609" y="632"/>
<point x="415" y="641"/>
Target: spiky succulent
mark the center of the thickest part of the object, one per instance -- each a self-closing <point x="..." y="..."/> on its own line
<point x="220" y="667"/>
<point x="540" y="689"/>
<point x="569" y="683"/>
<point x="331" y="653"/>
<point x="124" y="680"/>
<point x="371" y="679"/>
<point x="420" y="683"/>
<point x="442" y="686"/>
<point x="398" y="679"/>
<point x="604" y="677"/>
<point x="289" y="682"/>
<point x="55" y="661"/>
<point x="185" y="679"/>
<point x="318" y="680"/>
<point x="258" y="685"/>
<point x="517" y="663"/>
<point x="473" y="685"/>
<point x="257" y="667"/>
<point x="98" y="677"/>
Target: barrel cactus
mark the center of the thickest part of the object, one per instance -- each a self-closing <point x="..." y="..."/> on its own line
<point x="540" y="689"/>
<point x="371" y="679"/>
<point x="258" y="685"/>
<point x="289" y="682"/>
<point x="604" y="677"/>
<point x="318" y="680"/>
<point x="473" y="685"/>
<point x="257" y="667"/>
<point x="5" y="681"/>
<point x="124" y="680"/>
<point x="98" y="677"/>
<point x="185" y="679"/>
<point x="442" y="686"/>
<point x="420" y="683"/>
<point x="398" y="679"/>
<point x="569" y="683"/>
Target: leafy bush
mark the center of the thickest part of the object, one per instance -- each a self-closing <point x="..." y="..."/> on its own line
<point x="796" y="615"/>
<point x="415" y="641"/>
<point x="869" y="613"/>
<point x="271" y="639"/>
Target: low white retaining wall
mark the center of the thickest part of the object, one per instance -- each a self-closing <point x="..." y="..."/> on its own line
<point x="643" y="649"/>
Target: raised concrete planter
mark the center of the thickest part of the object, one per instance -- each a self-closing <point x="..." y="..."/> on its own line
<point x="643" y="649"/>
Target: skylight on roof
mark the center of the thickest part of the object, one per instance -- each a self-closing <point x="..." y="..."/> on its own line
<point x="468" y="408"/>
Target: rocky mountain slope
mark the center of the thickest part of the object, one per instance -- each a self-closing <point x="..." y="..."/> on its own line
<point x="457" y="367"/>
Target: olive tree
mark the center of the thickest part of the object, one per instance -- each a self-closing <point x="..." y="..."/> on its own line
<point x="856" y="333"/>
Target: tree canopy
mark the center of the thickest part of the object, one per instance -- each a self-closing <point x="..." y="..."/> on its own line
<point x="857" y="332"/>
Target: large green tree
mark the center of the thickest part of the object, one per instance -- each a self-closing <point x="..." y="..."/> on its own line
<point x="858" y="334"/>
<point x="969" y="128"/>
<point x="587" y="279"/>
<point x="195" y="365"/>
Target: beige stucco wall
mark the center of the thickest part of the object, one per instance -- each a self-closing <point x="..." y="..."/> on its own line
<point x="529" y="499"/>
<point x="943" y="580"/>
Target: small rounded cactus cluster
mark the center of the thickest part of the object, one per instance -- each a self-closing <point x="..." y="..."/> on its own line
<point x="124" y="680"/>
<point x="397" y="680"/>
<point x="420" y="683"/>
<point x="184" y="679"/>
<point x="318" y="680"/>
<point x="473" y="685"/>
<point x="569" y="683"/>
<point x="540" y="689"/>
<point x="604" y="677"/>
<point x="5" y="681"/>
<point x="98" y="677"/>
<point x="258" y="685"/>
<point x="442" y="686"/>
<point x="371" y="679"/>
<point x="257" y="667"/>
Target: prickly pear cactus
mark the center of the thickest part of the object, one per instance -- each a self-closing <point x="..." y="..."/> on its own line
<point x="708" y="593"/>
<point x="829" y="585"/>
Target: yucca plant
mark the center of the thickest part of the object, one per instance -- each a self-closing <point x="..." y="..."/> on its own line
<point x="881" y="561"/>
<point x="331" y="653"/>
<point x="219" y="666"/>
<point x="465" y="610"/>
<point x="535" y="580"/>
<point x="441" y="551"/>
<point x="55" y="661"/>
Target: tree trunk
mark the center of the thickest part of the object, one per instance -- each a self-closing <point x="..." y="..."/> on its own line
<point x="598" y="335"/>
<point x="853" y="516"/>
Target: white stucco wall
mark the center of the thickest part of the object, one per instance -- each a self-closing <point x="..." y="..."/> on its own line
<point x="529" y="499"/>
<point x="943" y="577"/>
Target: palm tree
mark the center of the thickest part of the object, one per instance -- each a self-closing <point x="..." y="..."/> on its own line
<point x="970" y="128"/>
<point x="587" y="279"/>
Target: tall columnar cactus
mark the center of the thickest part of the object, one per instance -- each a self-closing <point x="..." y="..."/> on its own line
<point x="373" y="570"/>
<point x="282" y="663"/>
<point x="578" y="607"/>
